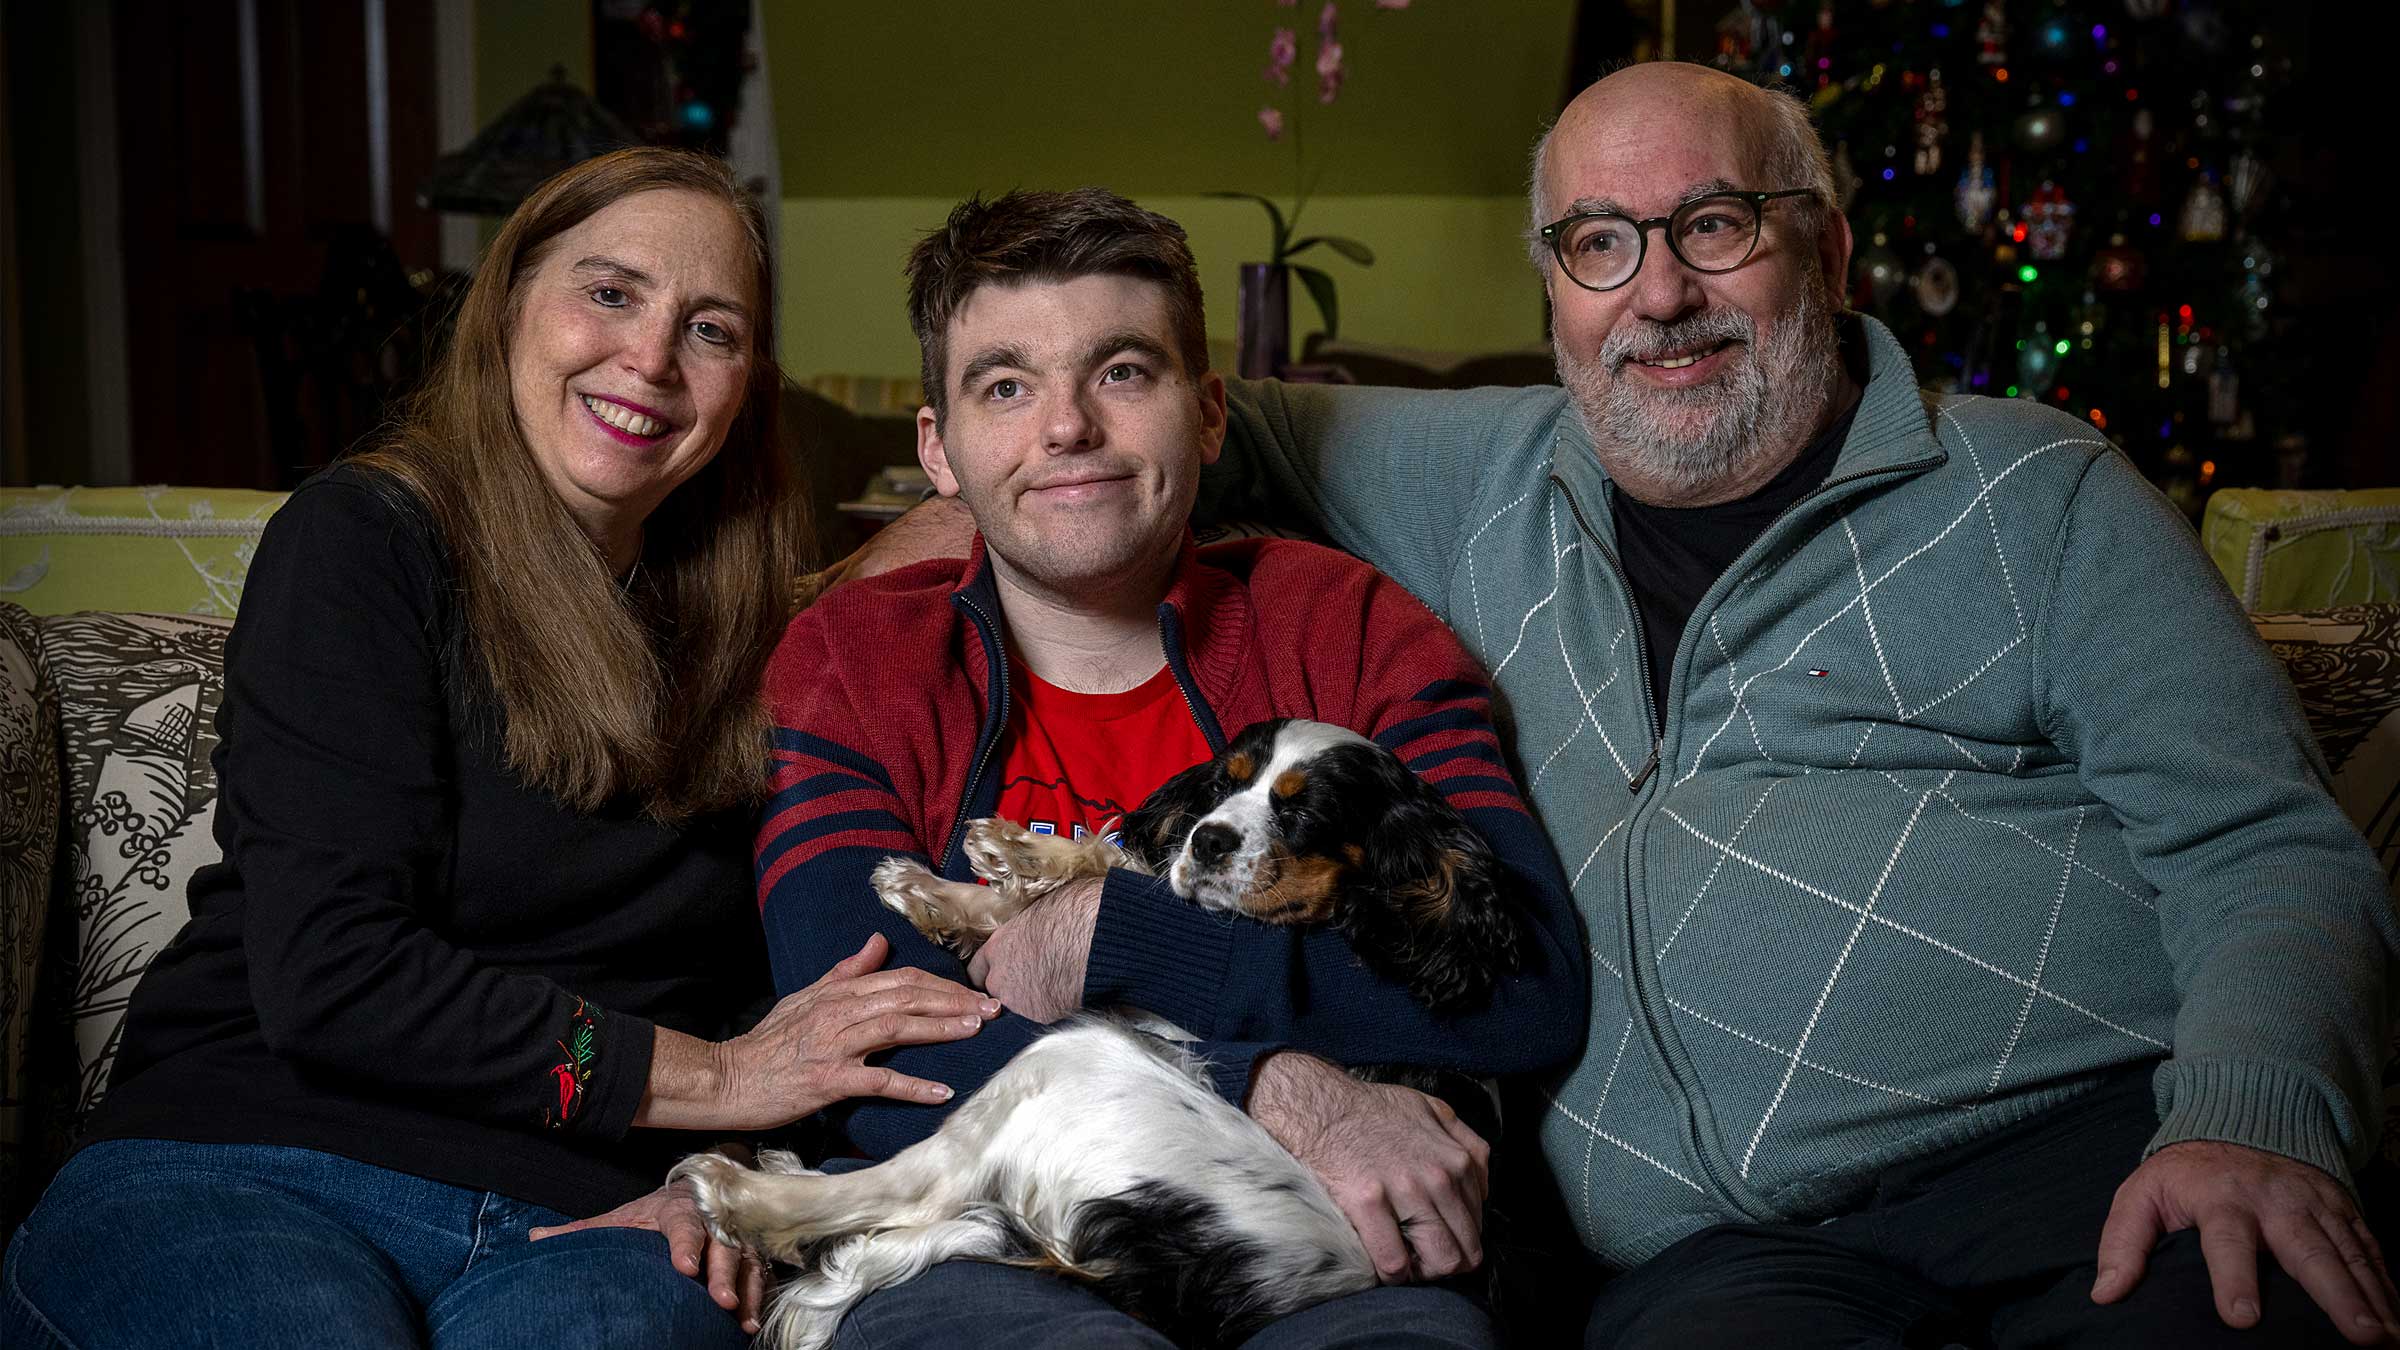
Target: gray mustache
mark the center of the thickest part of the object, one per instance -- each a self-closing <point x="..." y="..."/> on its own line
<point x="1647" y="339"/>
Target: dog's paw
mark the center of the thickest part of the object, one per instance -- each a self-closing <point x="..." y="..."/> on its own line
<point x="712" y="1177"/>
<point x="931" y="905"/>
<point x="783" y="1162"/>
<point x="908" y="888"/>
<point x="995" y="848"/>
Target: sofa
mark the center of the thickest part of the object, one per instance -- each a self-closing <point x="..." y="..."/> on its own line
<point x="107" y="724"/>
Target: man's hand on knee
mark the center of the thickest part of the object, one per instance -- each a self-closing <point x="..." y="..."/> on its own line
<point x="2237" y="1197"/>
<point x="1409" y="1176"/>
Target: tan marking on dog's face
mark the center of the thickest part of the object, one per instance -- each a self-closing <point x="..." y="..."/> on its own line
<point x="1239" y="768"/>
<point x="1172" y="827"/>
<point x="1302" y="892"/>
<point x="1354" y="855"/>
<point x="1290" y="781"/>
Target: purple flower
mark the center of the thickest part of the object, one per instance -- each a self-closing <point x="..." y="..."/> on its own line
<point x="1282" y="50"/>
<point x="1329" y="69"/>
<point x="1272" y="120"/>
<point x="1391" y="4"/>
<point x="1326" y="18"/>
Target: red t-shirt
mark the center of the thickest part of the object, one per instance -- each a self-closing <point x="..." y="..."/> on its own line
<point x="1076" y="764"/>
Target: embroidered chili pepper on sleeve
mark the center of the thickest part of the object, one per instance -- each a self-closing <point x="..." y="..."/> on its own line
<point x="578" y="1051"/>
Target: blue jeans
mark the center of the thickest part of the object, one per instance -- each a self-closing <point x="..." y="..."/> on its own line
<point x="992" y="1307"/>
<point x="150" y="1243"/>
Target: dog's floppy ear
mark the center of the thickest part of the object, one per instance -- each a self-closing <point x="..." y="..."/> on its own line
<point x="1156" y="829"/>
<point x="1427" y="906"/>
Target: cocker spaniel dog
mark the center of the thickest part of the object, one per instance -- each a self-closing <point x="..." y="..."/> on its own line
<point x="1101" y="1153"/>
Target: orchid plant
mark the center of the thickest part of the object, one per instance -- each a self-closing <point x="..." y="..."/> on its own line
<point x="1283" y="53"/>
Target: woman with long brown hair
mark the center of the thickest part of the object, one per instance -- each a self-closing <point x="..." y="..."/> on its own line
<point x="482" y="956"/>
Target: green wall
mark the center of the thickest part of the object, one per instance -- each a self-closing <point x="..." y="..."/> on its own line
<point x="1450" y="274"/>
<point x="1422" y="156"/>
<point x="1155" y="96"/>
<point x="516" y="43"/>
<point x="888" y="113"/>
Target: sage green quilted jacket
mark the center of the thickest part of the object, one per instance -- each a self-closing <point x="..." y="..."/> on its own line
<point x="1974" y="784"/>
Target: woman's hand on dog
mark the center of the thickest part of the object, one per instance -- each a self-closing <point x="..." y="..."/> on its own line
<point x="735" y="1276"/>
<point x="1406" y="1172"/>
<point x="811" y="1049"/>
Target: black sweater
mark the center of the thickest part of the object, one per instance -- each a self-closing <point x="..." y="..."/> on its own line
<point x="408" y="956"/>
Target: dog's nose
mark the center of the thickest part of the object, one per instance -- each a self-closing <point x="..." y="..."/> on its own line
<point x="1211" y="842"/>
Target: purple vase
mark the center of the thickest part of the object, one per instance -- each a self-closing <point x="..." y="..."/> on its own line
<point x="1265" y="321"/>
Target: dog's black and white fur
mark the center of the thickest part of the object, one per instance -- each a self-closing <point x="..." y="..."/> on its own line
<point x="1101" y="1152"/>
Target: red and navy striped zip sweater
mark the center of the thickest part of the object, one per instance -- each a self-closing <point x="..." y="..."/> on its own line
<point x="890" y="695"/>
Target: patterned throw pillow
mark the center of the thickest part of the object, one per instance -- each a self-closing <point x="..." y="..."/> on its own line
<point x="28" y="844"/>
<point x="138" y="697"/>
<point x="2346" y="664"/>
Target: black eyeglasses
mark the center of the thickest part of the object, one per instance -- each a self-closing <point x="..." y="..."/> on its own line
<point x="1602" y="250"/>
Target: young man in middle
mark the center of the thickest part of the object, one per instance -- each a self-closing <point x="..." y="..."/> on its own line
<point x="1082" y="654"/>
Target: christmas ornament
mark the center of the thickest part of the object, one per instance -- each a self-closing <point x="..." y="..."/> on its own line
<point x="2224" y="390"/>
<point x="1937" y="287"/>
<point x="1748" y="39"/>
<point x="2141" y="162"/>
<point x="1991" y="35"/>
<point x="2119" y="267"/>
<point x="2040" y="128"/>
<point x="1978" y="191"/>
<point x="2091" y="317"/>
<point x="1933" y="122"/>
<point x="2203" y="219"/>
<point x="2037" y="357"/>
<point x="2246" y="182"/>
<point x="1881" y="274"/>
<point x="2049" y="219"/>
<point x="1818" y="52"/>
<point x="2203" y="25"/>
<point x="2256" y="291"/>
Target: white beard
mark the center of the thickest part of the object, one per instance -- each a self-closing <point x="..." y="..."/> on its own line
<point x="1680" y="441"/>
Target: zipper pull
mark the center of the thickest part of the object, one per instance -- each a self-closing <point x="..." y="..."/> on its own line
<point x="1649" y="767"/>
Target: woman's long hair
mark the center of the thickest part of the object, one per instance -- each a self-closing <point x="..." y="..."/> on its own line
<point x="604" y="693"/>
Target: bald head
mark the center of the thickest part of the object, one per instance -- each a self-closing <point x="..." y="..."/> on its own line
<point x="1696" y="384"/>
<point x="1672" y="108"/>
<point x="1668" y="91"/>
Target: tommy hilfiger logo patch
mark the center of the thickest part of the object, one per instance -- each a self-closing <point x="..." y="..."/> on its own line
<point x="1819" y="674"/>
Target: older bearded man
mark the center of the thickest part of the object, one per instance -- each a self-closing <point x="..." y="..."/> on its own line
<point x="1978" y="954"/>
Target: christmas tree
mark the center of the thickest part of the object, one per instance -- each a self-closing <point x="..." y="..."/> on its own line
<point x="2060" y="201"/>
